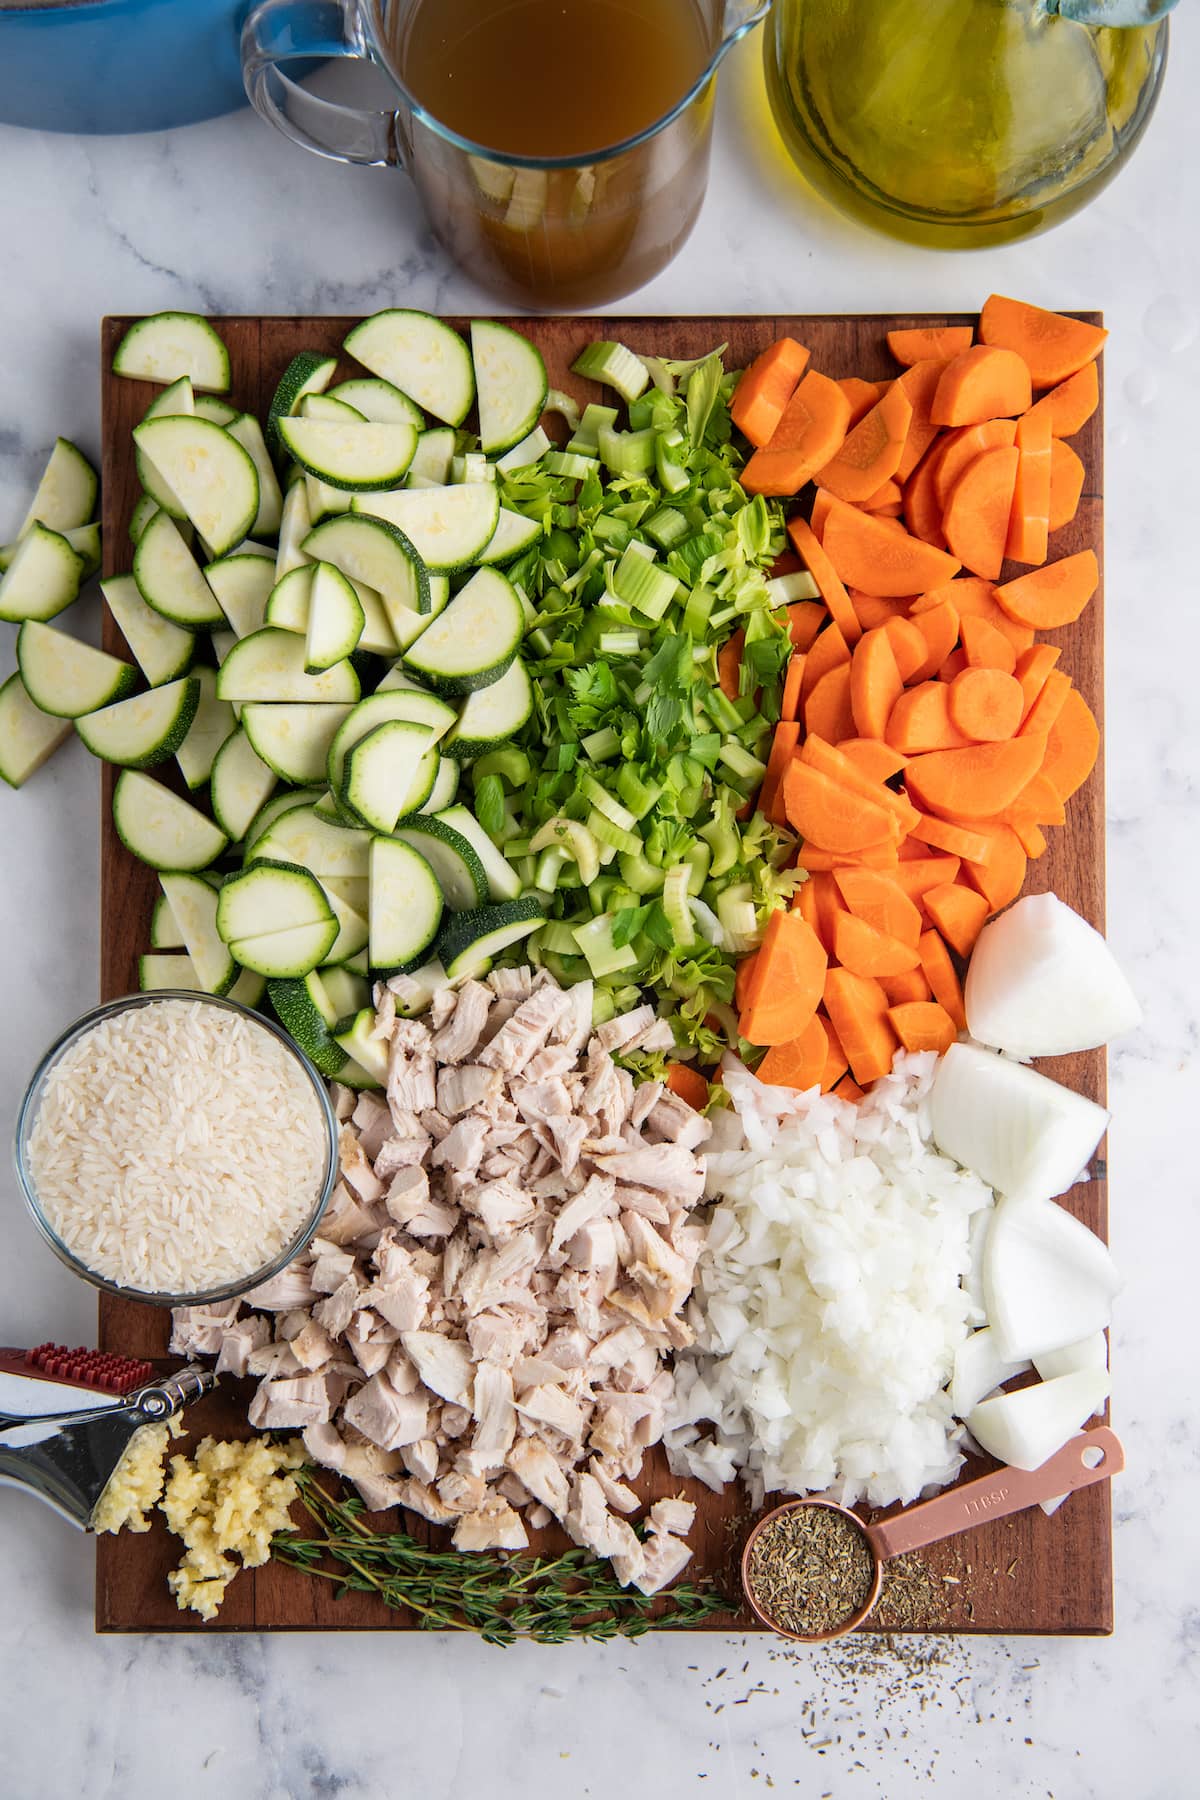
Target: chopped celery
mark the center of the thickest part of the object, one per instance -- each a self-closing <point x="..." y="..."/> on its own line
<point x="642" y="584"/>
<point x="510" y="764"/>
<point x="676" y="904"/>
<point x="605" y="832"/>
<point x="798" y="585"/>
<point x="602" y="746"/>
<point x="640" y="875"/>
<point x="558" y="939"/>
<point x="585" y="437"/>
<point x="697" y="612"/>
<point x="570" y="464"/>
<point x="603" y="801"/>
<point x="627" y="452"/>
<point x="574" y="839"/>
<point x="615" y="366"/>
<point x="563" y="404"/>
<point x="667" y="527"/>
<point x="595" y="940"/>
<point x="639" y="795"/>
<point x="620" y="643"/>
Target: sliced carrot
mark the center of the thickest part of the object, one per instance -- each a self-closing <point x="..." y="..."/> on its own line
<point x="862" y="395"/>
<point x="820" y="903"/>
<point x="1029" y="527"/>
<point x="857" y="1006"/>
<point x="971" y="596"/>
<point x="1072" y="746"/>
<point x="1071" y="404"/>
<point x="870" y="452"/>
<point x="976" y="783"/>
<point x="1031" y="669"/>
<point x="819" y="753"/>
<point x="765" y="389"/>
<point x="923" y="1025"/>
<point x="986" y="705"/>
<point x="908" y="646"/>
<point x="960" y="449"/>
<point x="786" y="563"/>
<point x="1051" y="345"/>
<point x="829" y="709"/>
<point x="890" y="495"/>
<point x="814" y="422"/>
<point x="809" y="548"/>
<point x="1031" y="837"/>
<point x="922" y="513"/>
<point x="829" y="651"/>
<point x="830" y="815"/>
<point x="985" y="647"/>
<point x="920" y="383"/>
<point x="881" y="557"/>
<point x="939" y="626"/>
<point x="799" y="1064"/>
<point x="866" y="951"/>
<point x="1001" y="878"/>
<point x="789" y="706"/>
<point x="872" y="609"/>
<point x="916" y="878"/>
<point x="744" y="980"/>
<point x="914" y="343"/>
<point x="822" y="501"/>
<point x="783" y="746"/>
<point x="878" y="899"/>
<point x="959" y="914"/>
<point x="776" y="473"/>
<point x="875" y="685"/>
<point x="835" y="1058"/>
<point x="848" y="1090"/>
<point x="955" y="840"/>
<point x="910" y="984"/>
<point x="1067" y="477"/>
<point x="805" y="619"/>
<point x="1052" y="596"/>
<point x="984" y="382"/>
<point x="688" y="1084"/>
<point x="979" y="509"/>
<point x="954" y="665"/>
<point x="942" y="976"/>
<point x="875" y="856"/>
<point x="791" y="970"/>
<point x="1051" y="698"/>
<point x="729" y="665"/>
<point x="920" y="721"/>
<point x="1038" y="800"/>
<point x="874" y="759"/>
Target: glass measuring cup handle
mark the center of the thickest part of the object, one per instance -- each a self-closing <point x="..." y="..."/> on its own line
<point x="996" y="1495"/>
<point x="278" y="32"/>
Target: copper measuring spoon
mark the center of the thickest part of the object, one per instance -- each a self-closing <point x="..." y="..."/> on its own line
<point x="1090" y="1457"/>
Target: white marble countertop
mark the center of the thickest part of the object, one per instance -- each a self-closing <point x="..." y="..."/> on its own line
<point x="228" y="218"/>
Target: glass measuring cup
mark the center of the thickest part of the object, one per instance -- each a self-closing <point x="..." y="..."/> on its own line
<point x="1090" y="1457"/>
<point x="543" y="232"/>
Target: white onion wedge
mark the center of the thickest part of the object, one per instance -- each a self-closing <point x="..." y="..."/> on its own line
<point x="1088" y="1353"/>
<point x="1025" y="1135"/>
<point x="979" y="1369"/>
<point x="1042" y="982"/>
<point x="1047" y="1280"/>
<point x="1026" y="1428"/>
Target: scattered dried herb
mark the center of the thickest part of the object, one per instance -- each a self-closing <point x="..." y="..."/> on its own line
<point x="913" y="1597"/>
<point x="503" y="1598"/>
<point x="811" y="1570"/>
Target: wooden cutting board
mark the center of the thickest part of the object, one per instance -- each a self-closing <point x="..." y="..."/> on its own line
<point x="1027" y="1574"/>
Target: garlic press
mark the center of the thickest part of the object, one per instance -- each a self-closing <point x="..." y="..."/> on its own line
<point x="68" y="1416"/>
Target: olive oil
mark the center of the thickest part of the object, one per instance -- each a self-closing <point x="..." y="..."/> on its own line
<point x="550" y="77"/>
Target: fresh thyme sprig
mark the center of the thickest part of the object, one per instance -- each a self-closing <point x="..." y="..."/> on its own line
<point x="548" y="1599"/>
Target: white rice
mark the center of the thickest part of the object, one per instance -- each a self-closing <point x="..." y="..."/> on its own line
<point x="177" y="1148"/>
<point x="832" y="1295"/>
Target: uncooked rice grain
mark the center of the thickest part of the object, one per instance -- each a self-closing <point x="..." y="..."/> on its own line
<point x="178" y="1147"/>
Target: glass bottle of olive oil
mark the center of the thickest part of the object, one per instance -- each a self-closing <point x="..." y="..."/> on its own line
<point x="958" y="122"/>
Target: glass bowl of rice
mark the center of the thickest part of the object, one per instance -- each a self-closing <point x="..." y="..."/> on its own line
<point x="176" y="1148"/>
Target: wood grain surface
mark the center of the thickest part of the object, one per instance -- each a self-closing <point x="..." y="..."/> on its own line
<point x="1028" y="1574"/>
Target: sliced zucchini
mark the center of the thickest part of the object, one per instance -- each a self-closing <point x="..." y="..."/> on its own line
<point x="335" y="619"/>
<point x="248" y="989"/>
<point x="422" y="356"/>
<point x="66" y="678"/>
<point x="406" y="905"/>
<point x="171" y="581"/>
<point x="137" y="733"/>
<point x="268" y="897"/>
<point x="300" y="1005"/>
<point x="448" y="526"/>
<point x="469" y="940"/>
<point x="379" y="555"/>
<point x="433" y="458"/>
<point x="170" y="344"/>
<point x="28" y="736"/>
<point x="66" y="494"/>
<point x="309" y="372"/>
<point x="377" y="634"/>
<point x="163" y="651"/>
<point x="324" y="501"/>
<point x="354" y="890"/>
<point x="378" y="401"/>
<point x="445" y="786"/>
<point x="359" y="1043"/>
<point x="242" y="582"/>
<point x="513" y="535"/>
<point x="288" y="601"/>
<point x="141" y="516"/>
<point x="344" y="993"/>
<point x="301" y="836"/>
<point x="381" y="769"/>
<point x="213" y="478"/>
<point x="351" y="455"/>
<point x="176" y="401"/>
<point x="85" y="541"/>
<point x="270" y="665"/>
<point x="291" y="952"/>
<point x="461" y="876"/>
<point x="213" y="724"/>
<point x="248" y="432"/>
<point x="241" y="783"/>
<point x="179" y="971"/>
<point x="161" y="829"/>
<point x="43" y="578"/>
<point x="353" y="930"/>
<point x="294" y="527"/>
<point x="492" y="715"/>
<point x="326" y="406"/>
<point x="394" y="703"/>
<point x="194" y="902"/>
<point x="474" y="641"/>
<point x="510" y="380"/>
<point x="158" y="488"/>
<point x="503" y="881"/>
<point x="530" y="450"/>
<point x="217" y="412"/>
<point x="276" y="806"/>
<point x="164" y="927"/>
<point x="293" y="740"/>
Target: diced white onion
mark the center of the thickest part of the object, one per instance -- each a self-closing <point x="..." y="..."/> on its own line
<point x="979" y="1369"/>
<point x="1089" y="1353"/>
<point x="1025" y="1428"/>
<point x="1047" y="1280"/>
<point x="1025" y="1135"/>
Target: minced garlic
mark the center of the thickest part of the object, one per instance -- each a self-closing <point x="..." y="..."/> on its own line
<point x="226" y="1504"/>
<point x="136" y="1483"/>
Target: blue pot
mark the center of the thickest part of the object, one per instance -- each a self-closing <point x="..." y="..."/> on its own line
<point x="119" y="65"/>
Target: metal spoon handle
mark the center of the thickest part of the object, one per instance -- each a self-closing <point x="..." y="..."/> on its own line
<point x="995" y="1496"/>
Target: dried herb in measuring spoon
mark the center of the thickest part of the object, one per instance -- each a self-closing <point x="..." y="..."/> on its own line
<point x="810" y="1570"/>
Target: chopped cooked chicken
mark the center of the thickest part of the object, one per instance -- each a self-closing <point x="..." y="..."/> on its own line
<point x="498" y="1527"/>
<point x="238" y="1341"/>
<point x="345" y="1220"/>
<point x="462" y="1146"/>
<point x="664" y="1559"/>
<point x="292" y="1287"/>
<point x="492" y="1404"/>
<point x="282" y="1405"/>
<point x="456" y="1040"/>
<point x="674" y="1121"/>
<point x="525" y="1033"/>
<point x="357" y="1172"/>
<point x="537" y="1470"/>
<point x="677" y="1516"/>
<point x="385" y="1417"/>
<point x="373" y="1123"/>
<point x="669" y="1168"/>
<point x="443" y="1363"/>
<point x="461" y="1090"/>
